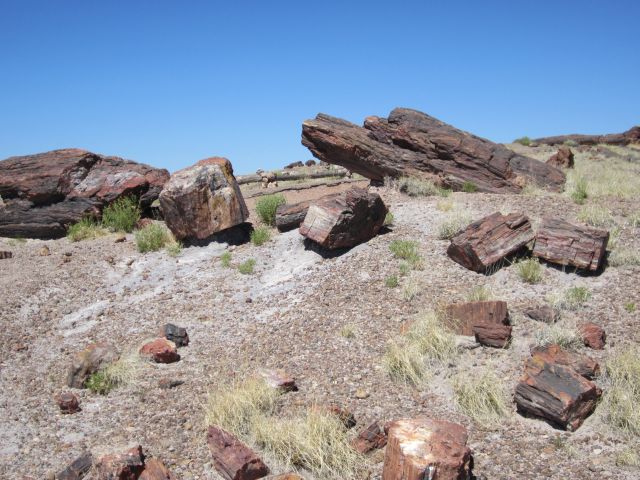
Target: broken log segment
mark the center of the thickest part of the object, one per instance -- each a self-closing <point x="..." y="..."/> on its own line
<point x="581" y="364"/>
<point x="233" y="459"/>
<point x="464" y="316"/>
<point x="630" y="136"/>
<point x="290" y="216"/>
<point x="492" y="335"/>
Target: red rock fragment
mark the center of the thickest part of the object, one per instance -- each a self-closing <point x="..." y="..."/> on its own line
<point x="121" y="466"/>
<point x="593" y="336"/>
<point x="563" y="158"/>
<point x="68" y="402"/>
<point x="581" y="364"/>
<point x="232" y="458"/>
<point x="161" y="350"/>
<point x="464" y="316"/>
<point x="369" y="439"/>
<point x="154" y="469"/>
<point x="492" y="335"/>
<point x="278" y="378"/>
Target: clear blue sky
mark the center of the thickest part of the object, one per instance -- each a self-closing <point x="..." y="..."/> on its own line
<point x="170" y="82"/>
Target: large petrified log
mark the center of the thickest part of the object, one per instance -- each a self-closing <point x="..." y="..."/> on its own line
<point x="564" y="243"/>
<point x="630" y="136"/>
<point x="581" y="364"/>
<point x="44" y="193"/>
<point x="556" y="393"/>
<point x="344" y="219"/>
<point x="411" y="143"/>
<point x="290" y="216"/>
<point x="489" y="240"/>
<point x="464" y="316"/>
<point x="203" y="199"/>
<point x="233" y="459"/>
<point x="419" y="448"/>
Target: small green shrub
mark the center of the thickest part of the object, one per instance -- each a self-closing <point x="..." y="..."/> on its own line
<point x="348" y="331"/>
<point x="260" y="236"/>
<point x="630" y="307"/>
<point x="404" y="268"/>
<point x="85" y="229"/>
<point x="174" y="248"/>
<point x="123" y="371"/>
<point x="526" y="141"/>
<point x="628" y="457"/>
<point x="225" y="259"/>
<point x="266" y="208"/>
<point x="404" y="249"/>
<point x="388" y="219"/>
<point x="575" y="297"/>
<point x="570" y="143"/>
<point x="624" y="257"/>
<point x="121" y="215"/>
<point x="246" y="267"/>
<point x="391" y="281"/>
<point x="529" y="270"/>
<point x="469" y="187"/>
<point x="152" y="238"/>
<point x="579" y="193"/>
<point x="14" y="242"/>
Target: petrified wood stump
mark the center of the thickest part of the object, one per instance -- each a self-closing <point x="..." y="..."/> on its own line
<point x="290" y="216"/>
<point x="232" y="458"/>
<point x="561" y="242"/>
<point x="489" y="240"/>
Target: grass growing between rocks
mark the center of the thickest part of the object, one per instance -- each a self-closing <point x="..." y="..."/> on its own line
<point x="624" y="257"/>
<point x="481" y="397"/>
<point x="418" y="187"/>
<point x="247" y="267"/>
<point x="407" y="250"/>
<point x="124" y="371"/>
<point x="572" y="299"/>
<point x="610" y="178"/>
<point x="391" y="281"/>
<point x="121" y="215"/>
<point x="85" y="229"/>
<point x="579" y="190"/>
<point x="629" y="457"/>
<point x="469" y="187"/>
<point x="596" y="216"/>
<point x="225" y="259"/>
<point x="266" y="208"/>
<point x="388" y="219"/>
<point x="479" y="293"/>
<point x="260" y="236"/>
<point x="526" y="141"/>
<point x="621" y="401"/>
<point x="529" y="270"/>
<point x="567" y="336"/>
<point x="453" y="225"/>
<point x="152" y="238"/>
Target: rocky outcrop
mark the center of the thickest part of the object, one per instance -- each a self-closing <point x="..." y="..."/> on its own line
<point x="630" y="136"/>
<point x="411" y="143"/>
<point x="233" y="459"/>
<point x="45" y="193"/>
<point x="201" y="200"/>
<point x="490" y="239"/>
<point x="345" y="219"/>
<point x="561" y="242"/>
<point x="93" y="358"/>
<point x="290" y="216"/>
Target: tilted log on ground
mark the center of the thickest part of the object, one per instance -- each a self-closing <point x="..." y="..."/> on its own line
<point x="630" y="136"/>
<point x="293" y="175"/>
<point x="411" y="143"/>
<point x="561" y="242"/>
<point x="290" y="216"/>
<point x="490" y="239"/>
<point x="233" y="459"/>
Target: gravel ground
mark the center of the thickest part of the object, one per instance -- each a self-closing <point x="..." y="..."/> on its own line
<point x="299" y="302"/>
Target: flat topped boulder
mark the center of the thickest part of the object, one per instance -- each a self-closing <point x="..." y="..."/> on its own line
<point x="344" y="219"/>
<point x="203" y="199"/>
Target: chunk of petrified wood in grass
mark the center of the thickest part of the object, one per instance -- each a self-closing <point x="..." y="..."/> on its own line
<point x="492" y="335"/>
<point x="543" y="313"/>
<point x="420" y="447"/>
<point x="489" y="240"/>
<point x="369" y="439"/>
<point x="232" y="458"/>
<point x="582" y="364"/>
<point x="344" y="219"/>
<point x="121" y="466"/>
<point x="564" y="243"/>
<point x="563" y="158"/>
<point x="462" y="317"/>
<point x="556" y="393"/>
<point x="290" y="216"/>
<point x="593" y="336"/>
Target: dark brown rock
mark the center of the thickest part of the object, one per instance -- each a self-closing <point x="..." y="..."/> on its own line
<point x="630" y="136"/>
<point x="369" y="439"/>
<point x="93" y="358"/>
<point x="345" y="416"/>
<point x="67" y="402"/>
<point x="593" y="336"/>
<point x="121" y="466"/>
<point x="492" y="335"/>
<point x="154" y="469"/>
<point x="290" y="216"/>
<point x="581" y="364"/>
<point x="558" y="241"/>
<point x="5" y="254"/>
<point x="161" y="350"/>
<point x="543" y="313"/>
<point x="78" y="468"/>
<point x="45" y="193"/>
<point x="279" y="379"/>
<point x="563" y="158"/>
<point x="462" y="317"/>
<point x="233" y="459"/>
<point x="310" y="163"/>
<point x="411" y="143"/>
<point x="294" y="165"/>
<point x="556" y="393"/>
<point x="490" y="239"/>
<point x="421" y="448"/>
<point x="175" y="334"/>
<point x="344" y="219"/>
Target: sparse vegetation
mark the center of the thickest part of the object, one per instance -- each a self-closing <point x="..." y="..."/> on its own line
<point x="225" y="259"/>
<point x="247" y="267"/>
<point x="479" y="293"/>
<point x="266" y="208"/>
<point x="121" y="215"/>
<point x="122" y="372"/>
<point x="579" y="192"/>
<point x="174" y="247"/>
<point x="407" y="250"/>
<point x="482" y="397"/>
<point x="418" y="187"/>
<point x="404" y="268"/>
<point x="624" y="257"/>
<point x="152" y="238"/>
<point x="575" y="297"/>
<point x="469" y="187"/>
<point x="630" y="307"/>
<point x="388" y="219"/>
<point x="14" y="242"/>
<point x="529" y="270"/>
<point x="453" y="225"/>
<point x="348" y="331"/>
<point x="628" y="457"/>
<point x="391" y="281"/>
<point x="611" y="178"/>
<point x="260" y="236"/>
<point x="410" y="290"/>
<point x="526" y="141"/>
<point x="567" y="336"/>
<point x="596" y="216"/>
<point x="622" y="391"/>
<point x="85" y="229"/>
<point x="445" y="205"/>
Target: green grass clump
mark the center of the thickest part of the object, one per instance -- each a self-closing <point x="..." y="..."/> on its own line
<point x="469" y="187"/>
<point x="225" y="259"/>
<point x="621" y="401"/>
<point x="529" y="270"/>
<point x="567" y="336"/>
<point x="629" y="457"/>
<point x="121" y="215"/>
<point x="174" y="247"/>
<point x="247" y="267"/>
<point x="388" y="219"/>
<point x="453" y="225"/>
<point x="152" y="238"/>
<point x="596" y="216"/>
<point x="579" y="193"/>
<point x="404" y="268"/>
<point x="630" y="307"/>
<point x="407" y="250"/>
<point x="482" y="397"/>
<point x="575" y="297"/>
<point x="260" y="236"/>
<point x="266" y="208"/>
<point x="391" y="281"/>
<point x="122" y="372"/>
<point x="526" y="141"/>
<point x="85" y="229"/>
<point x="479" y="293"/>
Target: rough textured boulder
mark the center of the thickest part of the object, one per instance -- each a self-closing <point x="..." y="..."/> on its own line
<point x="67" y="402"/>
<point x="564" y="243"/>
<point x="78" y="468"/>
<point x="161" y="350"/>
<point x="310" y="163"/>
<point x="93" y="358"/>
<point x="581" y="364"/>
<point x="233" y="459"/>
<point x="369" y="439"/>
<point x="411" y="143"/>
<point x="543" y="313"/>
<point x="630" y="136"/>
<point x="45" y="193"/>
<point x="121" y="466"/>
<point x="201" y="200"/>
<point x="593" y="336"/>
<point x="175" y="334"/>
<point x="563" y="158"/>
<point x="344" y="219"/>
<point x="492" y="335"/>
<point x="420" y="448"/>
<point x="489" y="240"/>
<point x="290" y="216"/>
<point x="463" y="317"/>
<point x="556" y="393"/>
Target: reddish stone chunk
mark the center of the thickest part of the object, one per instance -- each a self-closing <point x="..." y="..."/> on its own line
<point x="593" y="336"/>
<point x="278" y="378"/>
<point x="371" y="438"/>
<point x="492" y="335"/>
<point x="154" y="469"/>
<point x="161" y="350"/>
<point x="464" y="316"/>
<point x="232" y="458"/>
<point x="581" y="364"/>
<point x="121" y="466"/>
<point x="68" y="402"/>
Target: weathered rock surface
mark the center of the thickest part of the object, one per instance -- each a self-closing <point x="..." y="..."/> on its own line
<point x="154" y="469"/>
<point x="411" y="143"/>
<point x="422" y="448"/>
<point x="563" y="158"/>
<point x="581" y="364"/>
<point x="593" y="336"/>
<point x="492" y="335"/>
<point x="67" y="402"/>
<point x="630" y="136"/>
<point x="175" y="334"/>
<point x="556" y="393"/>
<point x="232" y="458"/>
<point x="93" y="358"/>
<point x="543" y="313"/>
<point x="45" y="193"/>
<point x="290" y="216"/>
<point x="78" y="468"/>
<point x="369" y="439"/>
<point x="161" y="350"/>
<point x="278" y="379"/>
<point x="121" y="466"/>
<point x="489" y="240"/>
<point x="564" y="243"/>
<point x="344" y="219"/>
<point x="463" y="317"/>
<point x="203" y="199"/>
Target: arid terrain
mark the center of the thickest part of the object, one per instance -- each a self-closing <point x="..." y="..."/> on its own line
<point x="326" y="319"/>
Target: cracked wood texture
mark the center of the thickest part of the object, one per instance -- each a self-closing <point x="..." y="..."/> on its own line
<point x="564" y="243"/>
<point x="411" y="143"/>
<point x="233" y="459"/>
<point x="582" y="364"/>
<point x="462" y="317"/>
<point x="489" y="240"/>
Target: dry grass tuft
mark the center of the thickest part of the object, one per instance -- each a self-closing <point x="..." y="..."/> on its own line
<point x="596" y="216"/>
<point x="86" y="229"/>
<point x="482" y="397"/>
<point x="565" y="335"/>
<point x="624" y="257"/>
<point x="453" y="225"/>
<point x="529" y="270"/>
<point x="629" y="457"/>
<point x="418" y="187"/>
<point x="610" y="178"/>
<point x="123" y="372"/>
<point x="479" y="293"/>
<point x="621" y="402"/>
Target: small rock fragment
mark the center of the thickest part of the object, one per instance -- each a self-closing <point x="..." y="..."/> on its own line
<point x="78" y="468"/>
<point x="543" y="313"/>
<point x="492" y="335"/>
<point x="154" y="469"/>
<point x="371" y="438"/>
<point x="232" y="458"/>
<point x="593" y="336"/>
<point x="44" y="251"/>
<point x="582" y="364"/>
<point x="167" y="384"/>
<point x="120" y="238"/>
<point x="4" y="254"/>
<point x="464" y="316"/>
<point x="121" y="466"/>
<point x="67" y="402"/>
<point x="277" y="378"/>
<point x="161" y="350"/>
<point x="563" y="158"/>
<point x="175" y="334"/>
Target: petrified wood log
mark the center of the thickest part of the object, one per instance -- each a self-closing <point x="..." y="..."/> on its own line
<point x="411" y="143"/>
<point x="489" y="240"/>
<point x="371" y="438"/>
<point x="581" y="364"/>
<point x="422" y="448"/>
<point x="290" y="216"/>
<point x="232" y="458"/>
<point x="564" y="243"/>
<point x="556" y="393"/>
<point x="630" y="136"/>
<point x="492" y="335"/>
<point x="464" y="316"/>
<point x="344" y="219"/>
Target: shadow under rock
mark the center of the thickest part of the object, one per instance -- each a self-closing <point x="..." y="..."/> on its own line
<point x="238" y="235"/>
